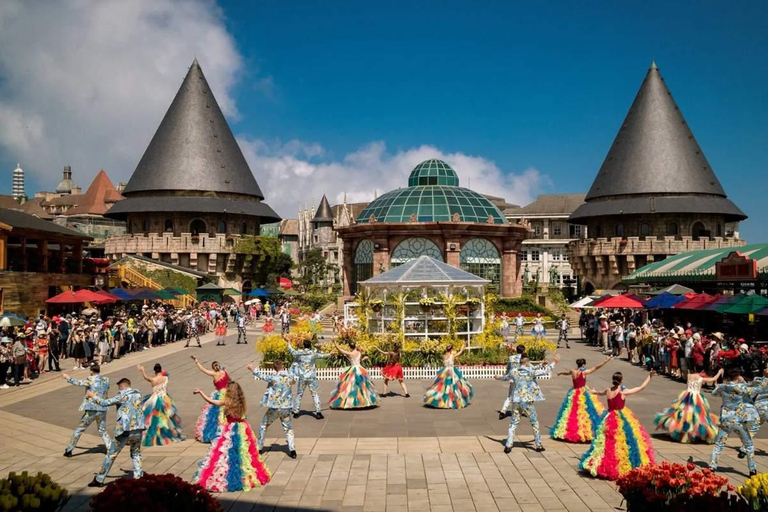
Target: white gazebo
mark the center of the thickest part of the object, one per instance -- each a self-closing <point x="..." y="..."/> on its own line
<point x="433" y="282"/>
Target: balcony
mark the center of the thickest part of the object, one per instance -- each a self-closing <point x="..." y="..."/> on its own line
<point x="635" y="245"/>
<point x="168" y="243"/>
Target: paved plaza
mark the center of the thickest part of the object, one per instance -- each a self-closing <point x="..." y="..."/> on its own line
<point x="400" y="456"/>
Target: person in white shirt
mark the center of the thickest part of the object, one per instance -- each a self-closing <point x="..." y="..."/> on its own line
<point x="519" y="322"/>
<point x="563" y="325"/>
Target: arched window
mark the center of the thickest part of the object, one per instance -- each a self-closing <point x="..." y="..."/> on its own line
<point x="672" y="229"/>
<point x="719" y="230"/>
<point x="168" y="225"/>
<point x="619" y="230"/>
<point x="645" y="230"/>
<point x="412" y="248"/>
<point x="197" y="227"/>
<point x="599" y="231"/>
<point x="482" y="258"/>
<point x="363" y="268"/>
<point x="221" y="227"/>
<point x="244" y="228"/>
<point x="145" y="226"/>
<point x="698" y="231"/>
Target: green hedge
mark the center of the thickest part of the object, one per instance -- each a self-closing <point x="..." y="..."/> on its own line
<point x="521" y="304"/>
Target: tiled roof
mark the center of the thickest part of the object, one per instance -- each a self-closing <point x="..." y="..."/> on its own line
<point x="555" y="204"/>
<point x="8" y="202"/>
<point x="99" y="197"/>
<point x="65" y="200"/>
<point x="289" y="227"/>
<point x="34" y="207"/>
<point x="20" y="220"/>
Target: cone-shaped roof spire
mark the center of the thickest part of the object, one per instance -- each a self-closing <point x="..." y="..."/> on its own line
<point x="324" y="212"/>
<point x="654" y="155"/>
<point x="193" y="148"/>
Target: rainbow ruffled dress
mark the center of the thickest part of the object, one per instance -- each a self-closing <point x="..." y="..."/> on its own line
<point x="689" y="418"/>
<point x="161" y="418"/>
<point x="232" y="463"/>
<point x="449" y="390"/>
<point x="579" y="414"/>
<point x="212" y="416"/>
<point x="620" y="444"/>
<point x="354" y="389"/>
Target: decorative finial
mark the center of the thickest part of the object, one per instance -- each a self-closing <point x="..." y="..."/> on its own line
<point x="653" y="64"/>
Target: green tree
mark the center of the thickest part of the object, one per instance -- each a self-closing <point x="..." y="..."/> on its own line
<point x="313" y="270"/>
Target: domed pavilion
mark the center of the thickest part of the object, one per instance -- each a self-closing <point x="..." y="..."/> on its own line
<point x="434" y="216"/>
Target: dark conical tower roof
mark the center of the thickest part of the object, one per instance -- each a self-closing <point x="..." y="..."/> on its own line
<point x="194" y="149"/>
<point x="193" y="162"/>
<point x="324" y="212"/>
<point x="655" y="156"/>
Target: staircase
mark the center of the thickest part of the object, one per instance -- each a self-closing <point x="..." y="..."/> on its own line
<point x="139" y="280"/>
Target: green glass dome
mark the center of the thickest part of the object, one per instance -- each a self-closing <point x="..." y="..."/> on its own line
<point x="433" y="195"/>
<point x="433" y="172"/>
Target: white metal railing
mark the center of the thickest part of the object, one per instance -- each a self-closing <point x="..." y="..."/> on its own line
<point x="421" y="372"/>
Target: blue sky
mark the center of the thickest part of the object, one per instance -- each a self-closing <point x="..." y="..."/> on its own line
<point x="518" y="87"/>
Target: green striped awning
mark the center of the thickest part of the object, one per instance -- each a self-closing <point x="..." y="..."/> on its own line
<point x="695" y="266"/>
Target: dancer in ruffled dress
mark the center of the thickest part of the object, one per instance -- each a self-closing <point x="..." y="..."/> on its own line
<point x="163" y="423"/>
<point x="233" y="462"/>
<point x="581" y="412"/>
<point x="354" y="389"/>
<point x="221" y="331"/>
<point x="269" y="325"/>
<point x="737" y="415"/>
<point x="689" y="418"/>
<point x="449" y="390"/>
<point x="212" y="416"/>
<point x="393" y="370"/>
<point x="538" y="330"/>
<point x="621" y="443"/>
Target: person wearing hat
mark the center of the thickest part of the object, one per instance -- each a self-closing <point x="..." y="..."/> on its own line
<point x="19" y="353"/>
<point x="42" y="347"/>
<point x="6" y="357"/>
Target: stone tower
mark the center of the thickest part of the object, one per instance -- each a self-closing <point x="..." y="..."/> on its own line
<point x="19" y="192"/>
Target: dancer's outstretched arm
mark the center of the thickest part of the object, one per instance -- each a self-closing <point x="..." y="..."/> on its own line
<point x="207" y="398"/>
<point x="594" y="369"/>
<point x="203" y="369"/>
<point x="144" y="374"/>
<point x="641" y="387"/>
<point x="713" y="380"/>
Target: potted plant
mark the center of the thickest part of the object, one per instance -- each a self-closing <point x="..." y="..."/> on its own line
<point x="22" y="492"/>
<point x="426" y="303"/>
<point x="473" y="303"/>
<point x="377" y="305"/>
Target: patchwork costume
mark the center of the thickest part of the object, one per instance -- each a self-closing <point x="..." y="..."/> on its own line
<point x="92" y="411"/>
<point x="279" y="401"/>
<point x="162" y="419"/>
<point x="512" y="363"/>
<point x="736" y="416"/>
<point x="580" y="414"/>
<point x="449" y="390"/>
<point x="526" y="392"/>
<point x="212" y="416"/>
<point x="689" y="418"/>
<point x="759" y="390"/>
<point x="303" y="368"/>
<point x="620" y="444"/>
<point x="129" y="426"/>
<point x="354" y="389"/>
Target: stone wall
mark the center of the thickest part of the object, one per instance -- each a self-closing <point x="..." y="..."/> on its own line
<point x="182" y="223"/>
<point x="25" y="292"/>
<point x="658" y="225"/>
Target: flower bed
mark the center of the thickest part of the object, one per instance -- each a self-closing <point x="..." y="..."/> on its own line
<point x="669" y="486"/>
<point x="755" y="491"/>
<point x="475" y="372"/>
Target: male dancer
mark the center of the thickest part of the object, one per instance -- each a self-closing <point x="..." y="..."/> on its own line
<point x="519" y="323"/>
<point x="241" y="329"/>
<point x="194" y="329"/>
<point x="92" y="411"/>
<point x="563" y="325"/>
<point x="512" y="363"/>
<point x="129" y="426"/>
<point x="526" y="392"/>
<point x="736" y="415"/>
<point x="758" y="389"/>
<point x="304" y="369"/>
<point x="278" y="400"/>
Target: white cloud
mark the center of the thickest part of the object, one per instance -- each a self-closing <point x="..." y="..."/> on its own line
<point x="292" y="174"/>
<point x="86" y="82"/>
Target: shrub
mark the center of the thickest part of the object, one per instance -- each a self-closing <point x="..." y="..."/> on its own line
<point x="535" y="349"/>
<point x="22" y="493"/>
<point x="159" y="493"/>
<point x="513" y="305"/>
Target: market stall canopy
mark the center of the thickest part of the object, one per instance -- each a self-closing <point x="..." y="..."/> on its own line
<point x="697" y="301"/>
<point x="724" y="299"/>
<point x="585" y="302"/>
<point x="664" y="301"/>
<point x="425" y="271"/>
<point x="675" y="289"/>
<point x="258" y="292"/>
<point x="285" y="283"/>
<point x="290" y="292"/>
<point x="122" y="293"/>
<point x="78" y="297"/>
<point x="745" y="305"/>
<point x="232" y="291"/>
<point x="620" y="301"/>
<point x="210" y="287"/>
<point x="108" y="297"/>
<point x="695" y="266"/>
<point x="11" y="321"/>
<point x="172" y="291"/>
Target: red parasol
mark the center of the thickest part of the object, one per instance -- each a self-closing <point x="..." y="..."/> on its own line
<point x="626" y="300"/>
<point x="107" y="298"/>
<point x="284" y="283"/>
<point x="77" y="297"/>
<point x="697" y="301"/>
